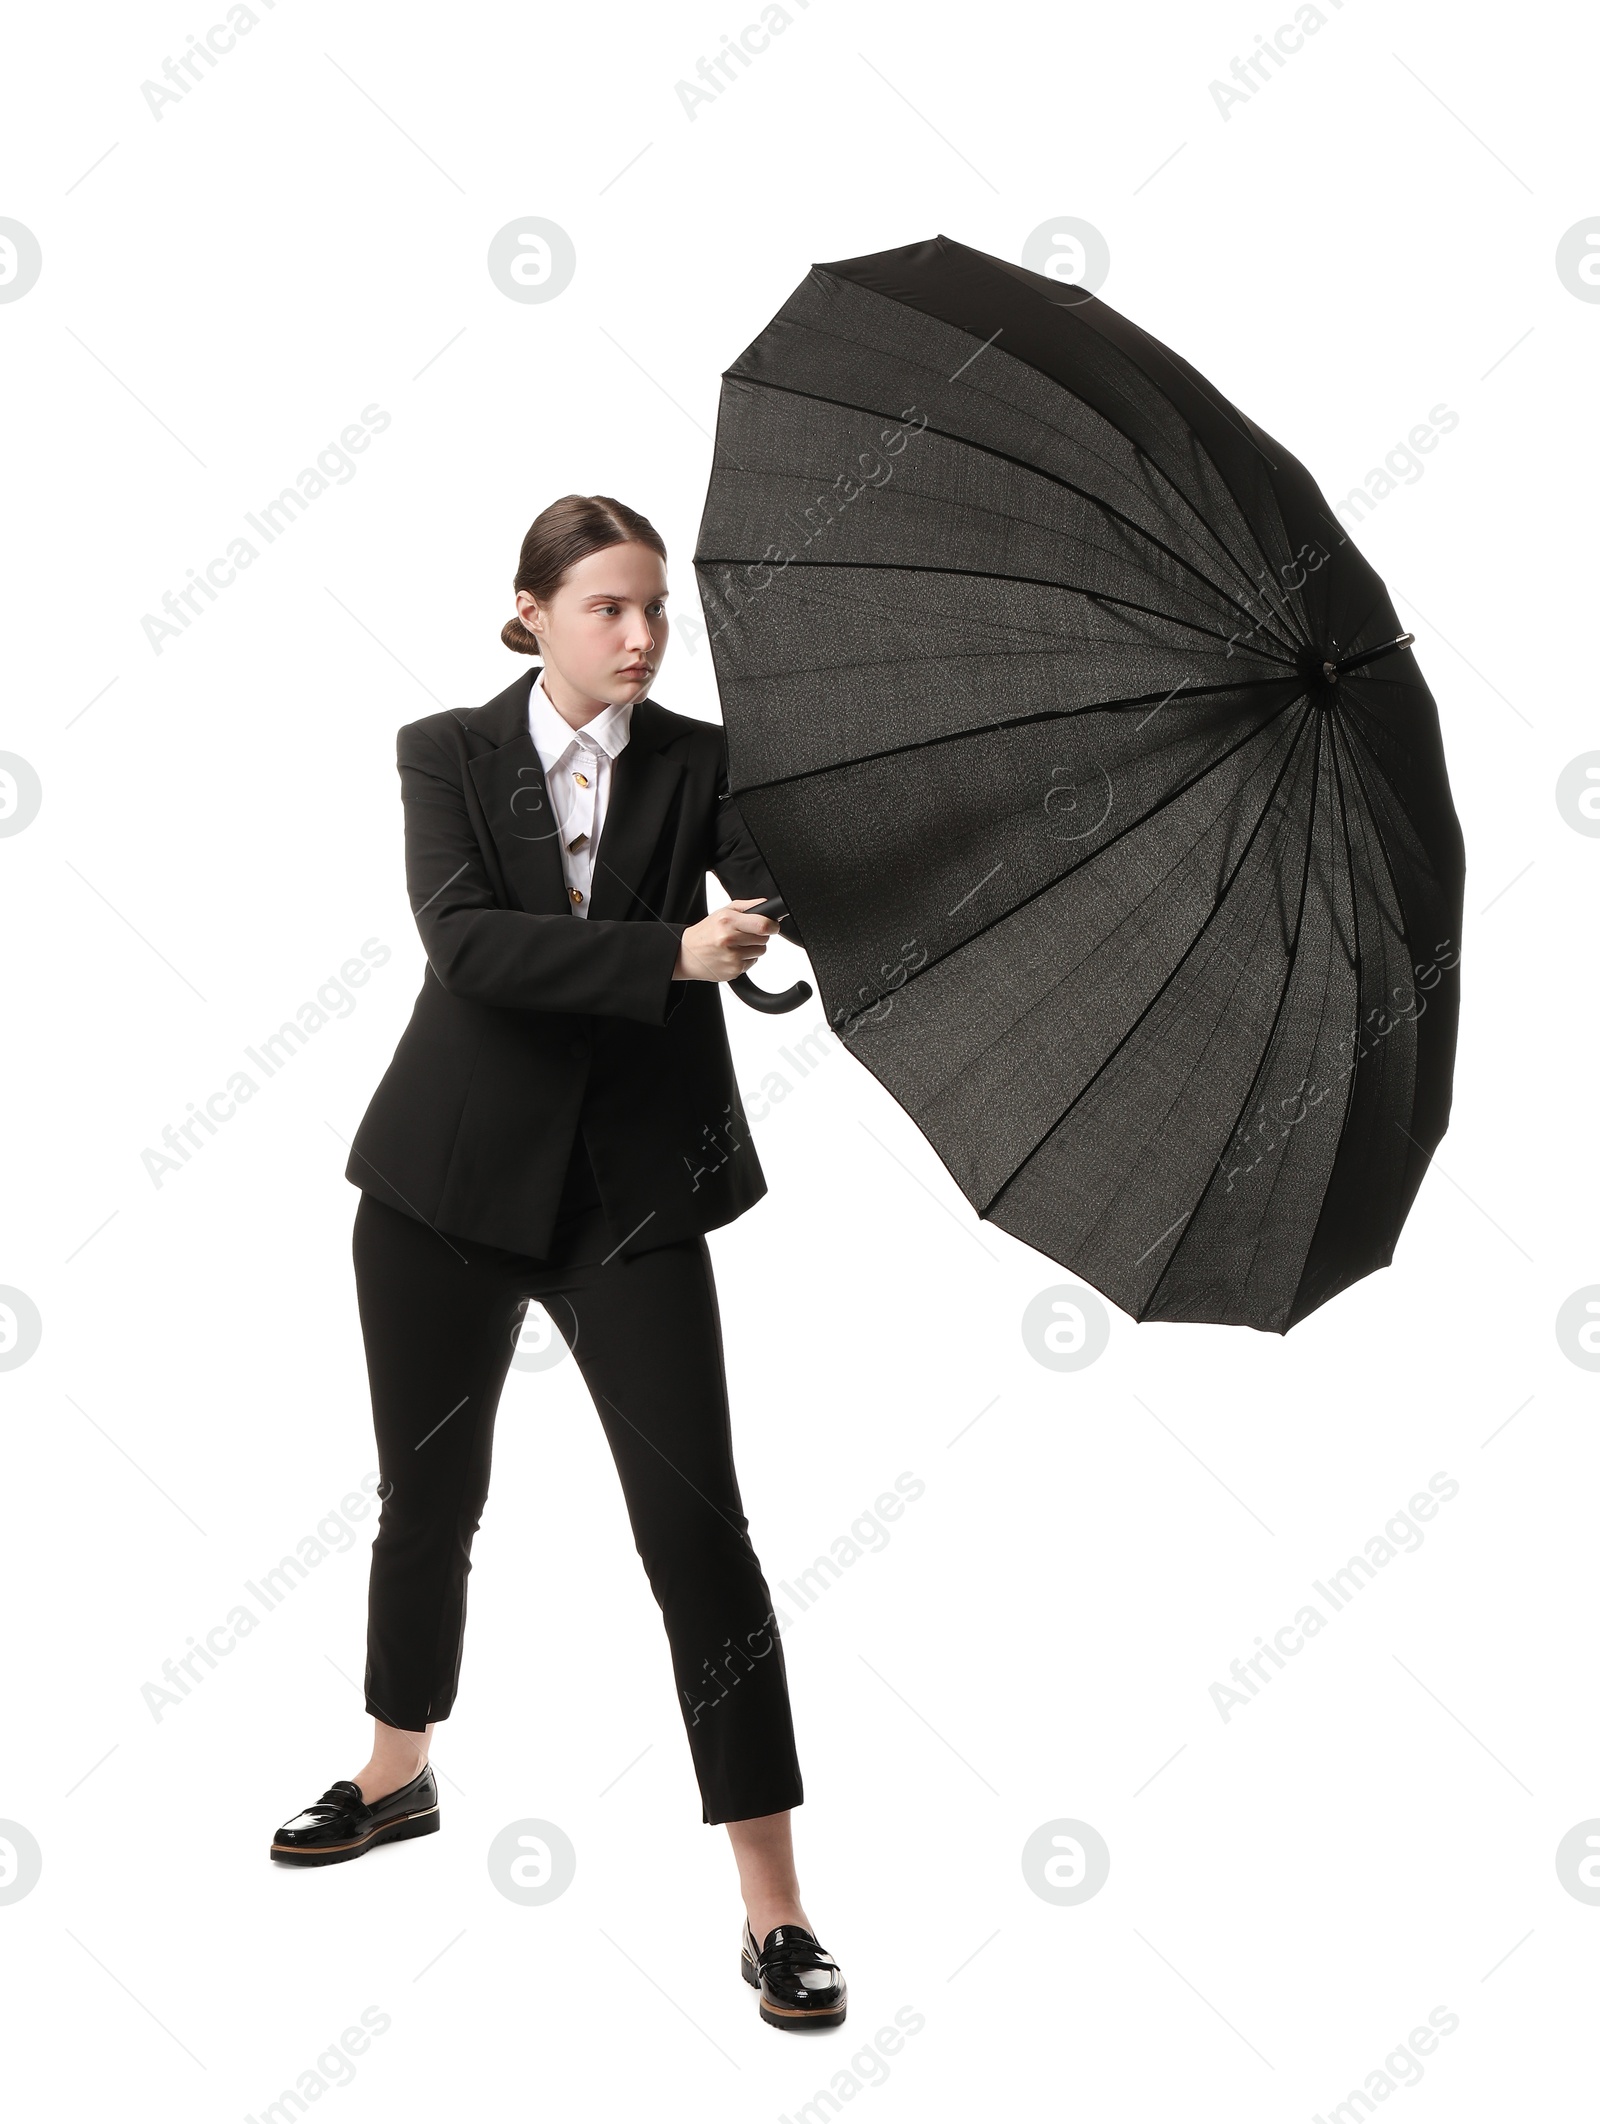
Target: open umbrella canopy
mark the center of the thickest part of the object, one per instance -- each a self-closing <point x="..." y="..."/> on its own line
<point x="1092" y="761"/>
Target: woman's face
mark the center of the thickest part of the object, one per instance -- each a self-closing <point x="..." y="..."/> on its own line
<point x="605" y="629"/>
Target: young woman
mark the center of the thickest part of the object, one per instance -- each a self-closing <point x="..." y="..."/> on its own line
<point x="560" y="1122"/>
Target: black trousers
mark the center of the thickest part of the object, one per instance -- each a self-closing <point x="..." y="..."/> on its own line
<point x="440" y="1316"/>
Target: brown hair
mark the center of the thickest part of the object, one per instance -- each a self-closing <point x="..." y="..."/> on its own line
<point x="568" y="531"/>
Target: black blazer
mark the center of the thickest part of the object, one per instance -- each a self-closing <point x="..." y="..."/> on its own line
<point x="533" y="1022"/>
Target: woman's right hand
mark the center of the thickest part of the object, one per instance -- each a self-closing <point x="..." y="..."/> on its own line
<point x="725" y="944"/>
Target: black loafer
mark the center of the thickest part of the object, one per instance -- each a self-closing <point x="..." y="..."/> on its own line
<point x="341" y="1825"/>
<point x="801" y="1986"/>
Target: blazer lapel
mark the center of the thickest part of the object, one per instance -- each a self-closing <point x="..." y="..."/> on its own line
<point x="511" y="788"/>
<point x="516" y="802"/>
<point x="643" y="780"/>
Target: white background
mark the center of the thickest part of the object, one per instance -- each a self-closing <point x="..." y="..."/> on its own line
<point x="1293" y="1889"/>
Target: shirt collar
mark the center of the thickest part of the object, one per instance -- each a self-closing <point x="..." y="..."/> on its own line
<point x="554" y="736"/>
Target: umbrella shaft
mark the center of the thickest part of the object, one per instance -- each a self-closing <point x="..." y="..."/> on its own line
<point x="1370" y="656"/>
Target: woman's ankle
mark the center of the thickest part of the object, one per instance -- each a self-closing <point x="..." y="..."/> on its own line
<point x="398" y="1755"/>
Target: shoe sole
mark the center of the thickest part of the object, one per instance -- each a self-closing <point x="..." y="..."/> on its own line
<point x="791" y="2017"/>
<point x="408" y="1825"/>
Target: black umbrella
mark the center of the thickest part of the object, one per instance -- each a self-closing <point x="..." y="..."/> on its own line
<point x="1094" y="764"/>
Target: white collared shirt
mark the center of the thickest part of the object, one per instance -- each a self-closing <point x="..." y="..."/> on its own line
<point x="577" y="768"/>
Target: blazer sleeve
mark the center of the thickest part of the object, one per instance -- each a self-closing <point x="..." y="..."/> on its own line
<point x="492" y="954"/>
<point x="736" y="859"/>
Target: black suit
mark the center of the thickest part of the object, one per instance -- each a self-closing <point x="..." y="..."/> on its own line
<point x="534" y="1023"/>
<point x="539" y="1032"/>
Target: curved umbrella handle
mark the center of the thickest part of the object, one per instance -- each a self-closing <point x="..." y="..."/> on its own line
<point x="767" y="999"/>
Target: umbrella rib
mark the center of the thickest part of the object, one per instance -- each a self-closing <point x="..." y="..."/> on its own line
<point x="1357" y="744"/>
<point x="1373" y="823"/>
<point x="1104" y="1064"/>
<point x="1053" y="478"/>
<point x="1356" y="715"/>
<point x="1020" y="722"/>
<point x="1272" y="1033"/>
<point x="995" y="575"/>
<point x="1352" y="1072"/>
